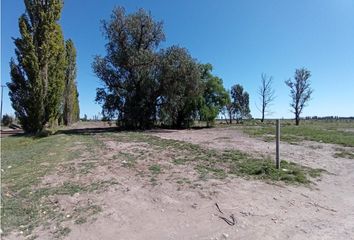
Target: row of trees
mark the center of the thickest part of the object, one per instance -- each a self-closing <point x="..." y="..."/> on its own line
<point x="145" y="84"/>
<point x="43" y="87"/>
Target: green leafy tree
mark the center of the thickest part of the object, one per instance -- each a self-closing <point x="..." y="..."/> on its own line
<point x="37" y="78"/>
<point x="71" y="109"/>
<point x="181" y="87"/>
<point x="240" y="102"/>
<point x="300" y="91"/>
<point x="215" y="97"/>
<point x="129" y="70"/>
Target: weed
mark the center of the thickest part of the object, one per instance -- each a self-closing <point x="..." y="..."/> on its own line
<point x="155" y="169"/>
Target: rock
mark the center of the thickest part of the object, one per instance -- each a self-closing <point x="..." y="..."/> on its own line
<point x="195" y="205"/>
<point x="225" y="235"/>
<point x="9" y="166"/>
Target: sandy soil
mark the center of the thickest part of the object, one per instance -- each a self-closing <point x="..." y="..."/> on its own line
<point x="135" y="209"/>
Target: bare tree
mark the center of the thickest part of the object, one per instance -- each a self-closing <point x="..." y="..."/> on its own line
<point x="266" y="95"/>
<point x="300" y="91"/>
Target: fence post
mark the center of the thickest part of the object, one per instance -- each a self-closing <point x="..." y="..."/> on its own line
<point x="277" y="156"/>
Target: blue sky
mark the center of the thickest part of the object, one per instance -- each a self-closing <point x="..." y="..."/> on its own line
<point x="242" y="39"/>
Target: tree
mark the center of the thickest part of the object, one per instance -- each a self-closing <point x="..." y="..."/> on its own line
<point x="180" y="87"/>
<point x="37" y="78"/>
<point x="71" y="109"/>
<point x="300" y="91"/>
<point x="228" y="109"/>
<point x="266" y="94"/>
<point x="215" y="97"/>
<point x="240" y="102"/>
<point x="129" y="70"/>
<point x="7" y="120"/>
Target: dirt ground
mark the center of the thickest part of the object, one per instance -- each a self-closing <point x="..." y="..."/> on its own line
<point x="134" y="209"/>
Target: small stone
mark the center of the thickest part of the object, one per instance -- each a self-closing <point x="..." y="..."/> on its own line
<point x="9" y="166"/>
<point x="225" y="235"/>
<point x="162" y="210"/>
<point x="68" y="216"/>
<point x="195" y="205"/>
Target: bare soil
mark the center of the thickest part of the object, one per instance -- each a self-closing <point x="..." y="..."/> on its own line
<point x="180" y="206"/>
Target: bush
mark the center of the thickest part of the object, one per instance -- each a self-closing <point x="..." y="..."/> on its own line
<point x="7" y="120"/>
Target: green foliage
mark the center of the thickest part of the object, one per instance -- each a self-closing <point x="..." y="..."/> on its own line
<point x="181" y="87"/>
<point x="129" y="69"/>
<point x="7" y="120"/>
<point x="215" y="97"/>
<point x="71" y="110"/>
<point x="144" y="84"/>
<point x="155" y="169"/>
<point x="240" y="102"/>
<point x="38" y="75"/>
<point x="300" y="91"/>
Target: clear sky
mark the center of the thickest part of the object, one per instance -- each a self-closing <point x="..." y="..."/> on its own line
<point x="242" y="39"/>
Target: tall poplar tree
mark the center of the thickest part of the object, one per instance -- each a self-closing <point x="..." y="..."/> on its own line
<point x="37" y="77"/>
<point x="71" y="108"/>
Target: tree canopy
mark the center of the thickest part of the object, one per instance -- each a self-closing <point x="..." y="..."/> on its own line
<point x="71" y="109"/>
<point x="215" y="97"/>
<point x="240" y="102"/>
<point x="300" y="91"/>
<point x="145" y="84"/>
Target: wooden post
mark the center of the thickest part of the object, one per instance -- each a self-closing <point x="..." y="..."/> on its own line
<point x="277" y="158"/>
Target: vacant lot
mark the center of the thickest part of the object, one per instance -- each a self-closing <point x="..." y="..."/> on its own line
<point x="93" y="182"/>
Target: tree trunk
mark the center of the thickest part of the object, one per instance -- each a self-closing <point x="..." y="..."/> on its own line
<point x="297" y="121"/>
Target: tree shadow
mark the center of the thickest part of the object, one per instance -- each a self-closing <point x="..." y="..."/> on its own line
<point x="88" y="131"/>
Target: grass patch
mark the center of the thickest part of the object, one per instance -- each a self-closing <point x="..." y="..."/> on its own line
<point x="319" y="131"/>
<point x="25" y="160"/>
<point x="215" y="164"/>
<point x="128" y="159"/>
<point x="155" y="169"/>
